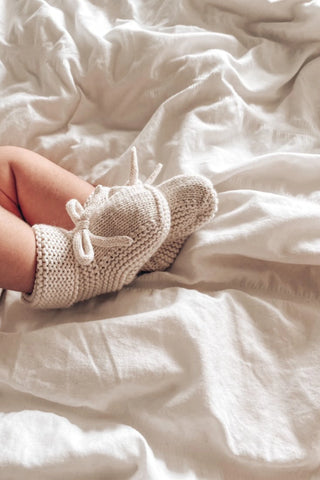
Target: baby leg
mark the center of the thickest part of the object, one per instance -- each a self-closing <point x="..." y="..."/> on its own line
<point x="32" y="190"/>
<point x="17" y="253"/>
<point x="36" y="189"/>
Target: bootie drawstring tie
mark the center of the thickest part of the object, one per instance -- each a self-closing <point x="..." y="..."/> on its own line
<point x="134" y="174"/>
<point x="83" y="240"/>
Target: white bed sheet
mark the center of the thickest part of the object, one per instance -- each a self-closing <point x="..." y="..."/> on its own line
<point x="211" y="369"/>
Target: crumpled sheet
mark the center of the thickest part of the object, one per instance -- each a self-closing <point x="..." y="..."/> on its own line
<point x="210" y="370"/>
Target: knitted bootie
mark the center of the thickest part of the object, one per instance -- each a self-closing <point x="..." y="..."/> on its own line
<point x="193" y="202"/>
<point x="115" y="234"/>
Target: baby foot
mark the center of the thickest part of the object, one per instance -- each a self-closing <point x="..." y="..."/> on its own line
<point x="193" y="202"/>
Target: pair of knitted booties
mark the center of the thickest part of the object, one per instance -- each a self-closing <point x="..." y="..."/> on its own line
<point x="119" y="232"/>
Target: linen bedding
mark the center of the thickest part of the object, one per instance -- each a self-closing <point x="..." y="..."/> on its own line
<point x="209" y="370"/>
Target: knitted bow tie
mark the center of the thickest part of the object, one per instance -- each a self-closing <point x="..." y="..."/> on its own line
<point x="82" y="238"/>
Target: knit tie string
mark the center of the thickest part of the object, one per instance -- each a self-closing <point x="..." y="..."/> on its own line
<point x="83" y="240"/>
<point x="134" y="174"/>
<point x="134" y="170"/>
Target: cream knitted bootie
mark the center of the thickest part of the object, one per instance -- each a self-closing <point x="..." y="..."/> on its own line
<point x="193" y="202"/>
<point x="115" y="233"/>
